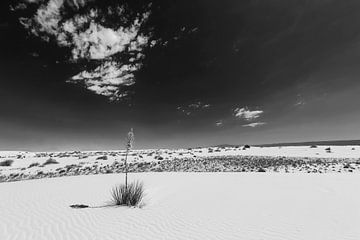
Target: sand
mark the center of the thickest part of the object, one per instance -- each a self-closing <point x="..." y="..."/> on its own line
<point x="186" y="206"/>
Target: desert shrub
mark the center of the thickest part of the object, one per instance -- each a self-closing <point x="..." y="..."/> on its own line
<point x="6" y="163"/>
<point x="35" y="164"/>
<point x="261" y="170"/>
<point x="313" y="146"/>
<point x="102" y="158"/>
<point x="132" y="195"/>
<point x="51" y="161"/>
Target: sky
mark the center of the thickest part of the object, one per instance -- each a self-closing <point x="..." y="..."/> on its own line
<point x="78" y="74"/>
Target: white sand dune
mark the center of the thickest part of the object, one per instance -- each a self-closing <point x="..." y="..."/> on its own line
<point x="186" y="206"/>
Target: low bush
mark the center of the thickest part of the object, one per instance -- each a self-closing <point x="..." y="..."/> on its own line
<point x="132" y="195"/>
<point x="102" y="158"/>
<point x="35" y="164"/>
<point x="51" y="161"/>
<point x="6" y="163"/>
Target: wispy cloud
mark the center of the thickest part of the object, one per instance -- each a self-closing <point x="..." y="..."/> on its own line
<point x="300" y="103"/>
<point x="255" y="124"/>
<point x="199" y="105"/>
<point x="246" y="114"/>
<point x="193" y="107"/>
<point x="183" y="110"/>
<point x="107" y="79"/>
<point x="219" y="123"/>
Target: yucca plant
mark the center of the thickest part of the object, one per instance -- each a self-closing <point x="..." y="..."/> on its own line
<point x="131" y="195"/>
<point x="129" y="145"/>
<point x="128" y="194"/>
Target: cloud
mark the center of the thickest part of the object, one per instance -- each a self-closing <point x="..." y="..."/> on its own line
<point x="88" y="39"/>
<point x="246" y="114"/>
<point x="46" y="19"/>
<point x="184" y="111"/>
<point x="199" y="105"/>
<point x="255" y="124"/>
<point x="300" y="103"/>
<point x="34" y="1"/>
<point x="193" y="107"/>
<point x="219" y="123"/>
<point x="108" y="79"/>
<point x="77" y="3"/>
<point x="99" y="42"/>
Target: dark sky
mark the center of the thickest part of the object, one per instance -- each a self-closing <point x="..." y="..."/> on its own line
<point x="210" y="72"/>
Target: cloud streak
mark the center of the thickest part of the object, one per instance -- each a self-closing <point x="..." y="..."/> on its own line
<point x="246" y="114"/>
<point x="193" y="107"/>
<point x="219" y="123"/>
<point x="198" y="105"/>
<point x="107" y="79"/>
<point x="255" y="124"/>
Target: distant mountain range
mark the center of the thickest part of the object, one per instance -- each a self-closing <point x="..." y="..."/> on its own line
<point x="333" y="143"/>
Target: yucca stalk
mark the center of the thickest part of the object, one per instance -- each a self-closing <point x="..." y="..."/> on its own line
<point x="129" y="144"/>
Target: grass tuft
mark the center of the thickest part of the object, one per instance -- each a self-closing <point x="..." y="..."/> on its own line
<point x="6" y="163"/>
<point x="130" y="196"/>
